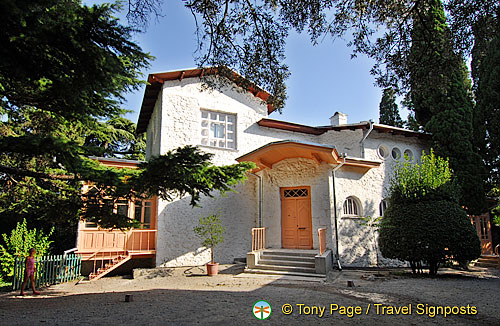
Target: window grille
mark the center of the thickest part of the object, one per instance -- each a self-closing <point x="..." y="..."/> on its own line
<point x="351" y="207"/>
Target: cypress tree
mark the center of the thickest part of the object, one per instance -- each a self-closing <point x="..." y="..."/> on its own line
<point x="487" y="112"/>
<point x="388" y="109"/>
<point x="442" y="101"/>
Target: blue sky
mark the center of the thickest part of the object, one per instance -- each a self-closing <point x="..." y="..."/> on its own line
<point x="324" y="78"/>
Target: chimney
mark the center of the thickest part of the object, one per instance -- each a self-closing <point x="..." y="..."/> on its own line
<point x="338" y="119"/>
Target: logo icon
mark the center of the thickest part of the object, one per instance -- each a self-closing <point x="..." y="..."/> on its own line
<point x="261" y="309"/>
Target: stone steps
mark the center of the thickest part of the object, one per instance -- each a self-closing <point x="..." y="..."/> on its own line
<point x="286" y="262"/>
<point x="274" y="272"/>
<point x="290" y="263"/>
<point x="287" y="258"/>
<point x="488" y="261"/>
<point x="289" y="252"/>
<point x="284" y="268"/>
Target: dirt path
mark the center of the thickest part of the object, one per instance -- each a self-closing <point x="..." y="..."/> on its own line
<point x="184" y="296"/>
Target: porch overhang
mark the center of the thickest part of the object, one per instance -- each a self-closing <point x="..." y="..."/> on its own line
<point x="272" y="153"/>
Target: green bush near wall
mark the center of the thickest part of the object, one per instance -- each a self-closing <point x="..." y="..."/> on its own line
<point x="424" y="224"/>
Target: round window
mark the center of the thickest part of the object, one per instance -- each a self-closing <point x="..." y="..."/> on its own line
<point x="396" y="153"/>
<point x="409" y="155"/>
<point x="383" y="151"/>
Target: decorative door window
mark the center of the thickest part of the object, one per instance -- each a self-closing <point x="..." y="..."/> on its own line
<point x="218" y="129"/>
<point x="296" y="193"/>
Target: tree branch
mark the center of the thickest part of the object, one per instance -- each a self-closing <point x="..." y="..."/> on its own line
<point x="27" y="173"/>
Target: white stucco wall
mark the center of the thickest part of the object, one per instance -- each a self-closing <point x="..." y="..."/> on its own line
<point x="178" y="123"/>
<point x="358" y="242"/>
<point x="153" y="133"/>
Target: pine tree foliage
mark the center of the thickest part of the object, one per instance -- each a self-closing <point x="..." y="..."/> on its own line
<point x="64" y="68"/>
<point x="388" y="109"/>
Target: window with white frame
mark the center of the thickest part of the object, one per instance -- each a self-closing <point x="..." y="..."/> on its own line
<point x="383" y="206"/>
<point x="352" y="207"/>
<point x="218" y="129"/>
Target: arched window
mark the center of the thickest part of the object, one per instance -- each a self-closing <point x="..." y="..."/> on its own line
<point x="352" y="207"/>
<point x="382" y="207"/>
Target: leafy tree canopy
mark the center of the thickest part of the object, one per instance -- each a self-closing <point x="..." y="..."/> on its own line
<point x="251" y="35"/>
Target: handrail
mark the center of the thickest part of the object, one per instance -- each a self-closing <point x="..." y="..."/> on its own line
<point x="95" y="253"/>
<point x="140" y="232"/>
<point x="258" y="239"/>
<point x="322" y="240"/>
<point x="107" y="258"/>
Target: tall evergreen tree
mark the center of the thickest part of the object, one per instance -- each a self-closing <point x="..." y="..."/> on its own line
<point x="388" y="109"/>
<point x="487" y="112"/>
<point x="442" y="101"/>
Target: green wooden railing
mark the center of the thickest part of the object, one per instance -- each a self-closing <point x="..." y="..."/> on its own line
<point x="49" y="270"/>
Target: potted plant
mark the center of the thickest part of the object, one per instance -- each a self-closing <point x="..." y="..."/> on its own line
<point x="211" y="232"/>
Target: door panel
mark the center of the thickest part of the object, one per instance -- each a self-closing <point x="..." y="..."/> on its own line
<point x="288" y="224"/>
<point x="296" y="221"/>
<point x="304" y="223"/>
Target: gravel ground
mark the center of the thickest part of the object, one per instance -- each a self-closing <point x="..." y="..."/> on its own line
<point x="185" y="296"/>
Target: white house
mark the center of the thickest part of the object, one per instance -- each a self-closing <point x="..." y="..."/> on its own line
<point x="308" y="177"/>
<point x="314" y="186"/>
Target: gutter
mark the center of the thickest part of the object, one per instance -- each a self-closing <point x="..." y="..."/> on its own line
<point x="337" y="255"/>
<point x="259" y="221"/>
<point x="362" y="146"/>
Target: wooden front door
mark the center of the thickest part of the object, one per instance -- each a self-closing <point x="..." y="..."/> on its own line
<point x="296" y="220"/>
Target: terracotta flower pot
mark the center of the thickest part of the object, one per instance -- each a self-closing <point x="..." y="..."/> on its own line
<point x="212" y="269"/>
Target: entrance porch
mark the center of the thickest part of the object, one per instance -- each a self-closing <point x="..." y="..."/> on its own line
<point x="297" y="208"/>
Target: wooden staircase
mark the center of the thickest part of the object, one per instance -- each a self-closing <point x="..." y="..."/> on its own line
<point x="108" y="265"/>
<point x="489" y="261"/>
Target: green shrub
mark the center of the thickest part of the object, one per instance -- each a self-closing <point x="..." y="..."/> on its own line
<point x="431" y="179"/>
<point x="495" y="192"/>
<point x="20" y="241"/>
<point x="210" y="231"/>
<point x="424" y="222"/>
<point x="430" y="231"/>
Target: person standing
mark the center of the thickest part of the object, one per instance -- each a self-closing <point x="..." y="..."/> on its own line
<point x="30" y="271"/>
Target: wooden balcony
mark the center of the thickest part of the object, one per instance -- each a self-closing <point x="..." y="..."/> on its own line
<point x="136" y="242"/>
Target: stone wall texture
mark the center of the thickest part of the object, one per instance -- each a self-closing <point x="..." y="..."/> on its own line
<point x="176" y="121"/>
